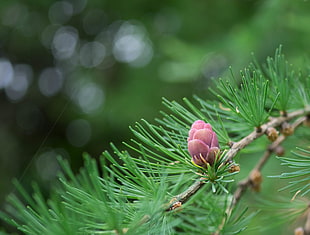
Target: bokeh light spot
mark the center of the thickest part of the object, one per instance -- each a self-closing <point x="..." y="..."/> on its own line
<point x="92" y="54"/>
<point x="89" y="97"/>
<point x="50" y="81"/>
<point x="20" y="82"/>
<point x="78" y="132"/>
<point x="64" y="42"/>
<point x="131" y="45"/>
<point x="6" y="72"/>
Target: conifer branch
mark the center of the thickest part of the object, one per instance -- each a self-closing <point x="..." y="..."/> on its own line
<point x="254" y="178"/>
<point x="180" y="199"/>
<point x="248" y="182"/>
<point x="274" y="122"/>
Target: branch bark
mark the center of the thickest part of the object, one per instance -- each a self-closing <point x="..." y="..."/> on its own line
<point x="244" y="184"/>
<point x="183" y="197"/>
<point x="274" y="122"/>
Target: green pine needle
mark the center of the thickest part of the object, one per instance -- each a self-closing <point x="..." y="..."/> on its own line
<point x="300" y="162"/>
<point x="248" y="103"/>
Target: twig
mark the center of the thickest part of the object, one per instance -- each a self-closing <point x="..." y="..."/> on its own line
<point x="248" y="182"/>
<point x="178" y="200"/>
<point x="244" y="184"/>
<point x="307" y="224"/>
<point x="275" y="122"/>
<point x="305" y="230"/>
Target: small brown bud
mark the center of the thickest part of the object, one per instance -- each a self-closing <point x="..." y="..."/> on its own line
<point x="256" y="180"/>
<point x="286" y="129"/>
<point x="299" y="231"/>
<point x="279" y="150"/>
<point x="175" y="206"/>
<point x="272" y="134"/>
<point x="234" y="168"/>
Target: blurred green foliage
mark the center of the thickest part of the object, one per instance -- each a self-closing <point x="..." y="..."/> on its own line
<point x="74" y="74"/>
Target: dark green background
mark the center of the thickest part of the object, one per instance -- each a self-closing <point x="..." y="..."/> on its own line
<point x="185" y="44"/>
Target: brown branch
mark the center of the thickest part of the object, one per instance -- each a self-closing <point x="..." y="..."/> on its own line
<point x="244" y="184"/>
<point x="307" y="224"/>
<point x="178" y="200"/>
<point x="254" y="178"/>
<point x="275" y="122"/>
<point x="306" y="229"/>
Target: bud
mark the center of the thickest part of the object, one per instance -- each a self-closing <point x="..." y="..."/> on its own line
<point x="256" y="180"/>
<point x="272" y="134"/>
<point x="299" y="231"/>
<point x="279" y="150"/>
<point x="202" y="144"/>
<point x="286" y="129"/>
<point x="234" y="168"/>
<point x="175" y="206"/>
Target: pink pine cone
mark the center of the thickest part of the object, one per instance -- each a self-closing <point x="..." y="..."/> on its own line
<point x="202" y="143"/>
